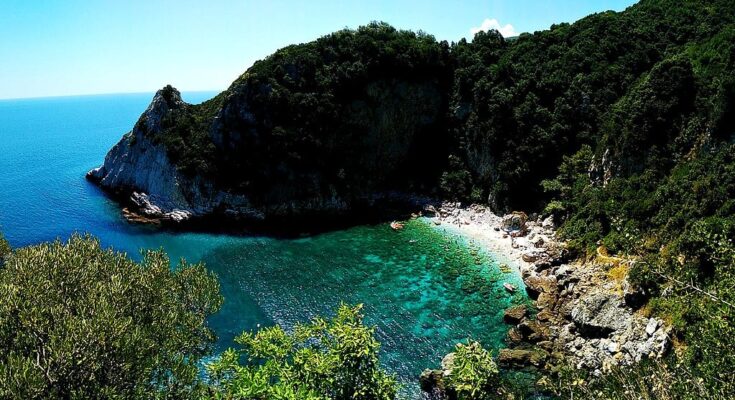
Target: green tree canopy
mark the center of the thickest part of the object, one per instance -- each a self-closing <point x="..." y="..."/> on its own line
<point x="324" y="359"/>
<point x="79" y="321"/>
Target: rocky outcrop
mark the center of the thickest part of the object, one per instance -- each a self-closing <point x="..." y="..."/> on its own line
<point x="138" y="168"/>
<point x="255" y="171"/>
<point x="515" y="314"/>
<point x="522" y="357"/>
<point x="582" y="317"/>
<point x="600" y="313"/>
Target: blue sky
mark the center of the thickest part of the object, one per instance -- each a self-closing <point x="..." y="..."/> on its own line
<point x="67" y="47"/>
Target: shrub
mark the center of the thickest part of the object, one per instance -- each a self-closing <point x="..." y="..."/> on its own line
<point x="79" y="321"/>
<point x="474" y="375"/>
<point x="324" y="359"/>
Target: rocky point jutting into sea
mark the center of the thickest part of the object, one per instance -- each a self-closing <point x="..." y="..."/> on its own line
<point x="140" y="170"/>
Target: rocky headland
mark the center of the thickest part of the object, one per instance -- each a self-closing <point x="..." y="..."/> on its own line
<point x="584" y="313"/>
<point x="159" y="183"/>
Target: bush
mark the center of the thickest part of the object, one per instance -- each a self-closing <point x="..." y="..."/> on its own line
<point x="474" y="375"/>
<point x="650" y="379"/>
<point x="324" y="359"/>
<point x="79" y="321"/>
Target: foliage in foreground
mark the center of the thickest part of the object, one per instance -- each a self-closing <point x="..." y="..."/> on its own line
<point x="474" y="374"/>
<point x="324" y="359"/>
<point x="648" y="380"/>
<point x="79" y="321"/>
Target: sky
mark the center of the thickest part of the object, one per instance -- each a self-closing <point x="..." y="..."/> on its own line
<point x="72" y="47"/>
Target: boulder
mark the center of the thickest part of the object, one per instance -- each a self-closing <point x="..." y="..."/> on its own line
<point x="546" y="301"/>
<point x="535" y="285"/>
<point x="515" y="314"/>
<point x="600" y="313"/>
<point x="534" y="331"/>
<point x="514" y="223"/>
<point x="541" y="265"/>
<point x="530" y="256"/>
<point x="430" y="380"/>
<point x="544" y="315"/>
<point x="651" y="326"/>
<point x="514" y="336"/>
<point x="522" y="357"/>
<point x="448" y="364"/>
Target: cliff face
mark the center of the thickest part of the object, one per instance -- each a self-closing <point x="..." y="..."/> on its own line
<point x="137" y="163"/>
<point x="138" y="168"/>
<point x="257" y="172"/>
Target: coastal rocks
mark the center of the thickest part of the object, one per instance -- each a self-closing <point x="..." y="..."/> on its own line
<point x="431" y="382"/>
<point x="515" y="314"/>
<point x="522" y="357"/>
<point x="514" y="336"/>
<point x="139" y="166"/>
<point x="546" y="301"/>
<point x="599" y="314"/>
<point x="515" y="223"/>
<point x="534" y="331"/>
<point x="536" y="285"/>
<point x="582" y="320"/>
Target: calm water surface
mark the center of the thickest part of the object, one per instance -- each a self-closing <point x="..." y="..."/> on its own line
<point x="423" y="289"/>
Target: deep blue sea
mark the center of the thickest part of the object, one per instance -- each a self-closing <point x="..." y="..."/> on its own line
<point x="424" y="289"/>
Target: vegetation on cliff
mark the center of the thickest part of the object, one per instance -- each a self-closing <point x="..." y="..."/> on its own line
<point x="345" y="116"/>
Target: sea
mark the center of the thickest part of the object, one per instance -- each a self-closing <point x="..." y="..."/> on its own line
<point x="423" y="288"/>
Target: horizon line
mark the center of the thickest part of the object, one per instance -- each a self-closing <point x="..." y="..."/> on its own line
<point x="57" y="96"/>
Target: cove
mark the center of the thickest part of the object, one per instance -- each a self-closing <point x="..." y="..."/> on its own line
<point x="424" y="288"/>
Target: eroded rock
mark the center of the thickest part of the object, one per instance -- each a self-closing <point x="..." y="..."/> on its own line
<point x="522" y="357"/>
<point x="600" y="314"/>
<point x="515" y="314"/>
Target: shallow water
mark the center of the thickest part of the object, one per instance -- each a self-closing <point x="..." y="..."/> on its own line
<point x="422" y="288"/>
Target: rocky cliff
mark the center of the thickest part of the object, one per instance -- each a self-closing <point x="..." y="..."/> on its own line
<point x="139" y="169"/>
<point x="165" y="170"/>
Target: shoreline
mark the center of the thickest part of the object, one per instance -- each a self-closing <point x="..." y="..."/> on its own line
<point x="477" y="223"/>
<point x="584" y="314"/>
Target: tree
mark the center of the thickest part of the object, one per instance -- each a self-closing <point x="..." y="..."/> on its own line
<point x="79" y="321"/>
<point x="325" y="359"/>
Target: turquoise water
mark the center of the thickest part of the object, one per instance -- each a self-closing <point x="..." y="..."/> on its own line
<point x="423" y="289"/>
